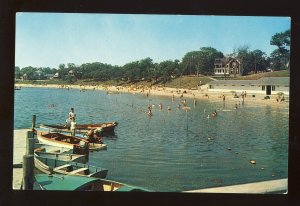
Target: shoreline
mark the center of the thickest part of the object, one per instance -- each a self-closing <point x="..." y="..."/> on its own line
<point x="201" y="94"/>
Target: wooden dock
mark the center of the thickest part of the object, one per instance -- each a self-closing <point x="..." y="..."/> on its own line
<point x="264" y="187"/>
<point x="20" y="136"/>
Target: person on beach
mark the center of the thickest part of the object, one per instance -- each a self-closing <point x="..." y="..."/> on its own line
<point x="73" y="126"/>
<point x="223" y="98"/>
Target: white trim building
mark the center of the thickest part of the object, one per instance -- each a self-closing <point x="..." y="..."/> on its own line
<point x="266" y="85"/>
<point x="228" y="66"/>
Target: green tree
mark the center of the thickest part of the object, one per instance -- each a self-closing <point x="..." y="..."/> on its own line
<point x="17" y="72"/>
<point x="280" y="57"/>
<point x="62" y="71"/>
<point x="260" y="61"/>
<point x="131" y="71"/>
<point x="200" y="62"/>
<point x="145" y="68"/>
<point x="29" y="72"/>
<point x="244" y="55"/>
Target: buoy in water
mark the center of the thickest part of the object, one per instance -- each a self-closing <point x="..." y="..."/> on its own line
<point x="229" y="148"/>
<point x="253" y="162"/>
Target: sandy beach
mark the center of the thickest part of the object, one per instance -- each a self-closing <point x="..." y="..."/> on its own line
<point x="201" y="93"/>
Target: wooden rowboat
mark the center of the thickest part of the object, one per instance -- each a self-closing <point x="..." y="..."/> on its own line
<point x="49" y="165"/>
<point x="82" y="128"/>
<point x="61" y="156"/>
<point x="80" y="183"/>
<point x="66" y="141"/>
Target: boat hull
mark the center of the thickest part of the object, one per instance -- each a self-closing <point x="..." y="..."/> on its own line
<point x="69" y="142"/>
<point x="108" y="127"/>
<point x="62" y="156"/>
<point x="48" y="166"/>
<point x="79" y="183"/>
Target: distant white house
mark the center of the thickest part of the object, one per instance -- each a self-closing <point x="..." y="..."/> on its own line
<point x="56" y="75"/>
<point x="266" y="85"/>
<point x="71" y="73"/>
<point x="228" y="66"/>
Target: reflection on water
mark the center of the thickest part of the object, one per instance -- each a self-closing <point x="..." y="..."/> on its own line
<point x="170" y="151"/>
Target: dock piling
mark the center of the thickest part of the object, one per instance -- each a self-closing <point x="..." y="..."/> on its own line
<point x="30" y="143"/>
<point x="28" y="163"/>
<point x="28" y="160"/>
<point x="33" y="122"/>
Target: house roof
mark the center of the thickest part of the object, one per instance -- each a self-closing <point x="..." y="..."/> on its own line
<point x="224" y="60"/>
<point x="261" y="81"/>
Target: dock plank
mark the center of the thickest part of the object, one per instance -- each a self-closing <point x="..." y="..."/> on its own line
<point x="19" y="151"/>
<point x="270" y="186"/>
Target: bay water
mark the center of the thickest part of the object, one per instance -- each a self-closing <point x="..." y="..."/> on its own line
<point x="175" y="150"/>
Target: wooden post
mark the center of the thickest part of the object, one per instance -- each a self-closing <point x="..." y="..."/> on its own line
<point x="28" y="164"/>
<point x="30" y="143"/>
<point x="33" y="122"/>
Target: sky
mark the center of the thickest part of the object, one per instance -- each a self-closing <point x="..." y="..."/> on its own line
<point x="50" y="39"/>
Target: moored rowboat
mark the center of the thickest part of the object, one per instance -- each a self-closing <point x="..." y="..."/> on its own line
<point x="80" y="183"/>
<point x="82" y="128"/>
<point x="49" y="165"/>
<point x="66" y="141"/>
<point x="61" y="156"/>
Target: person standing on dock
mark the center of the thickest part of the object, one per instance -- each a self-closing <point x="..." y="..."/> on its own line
<point x="73" y="126"/>
<point x="70" y="116"/>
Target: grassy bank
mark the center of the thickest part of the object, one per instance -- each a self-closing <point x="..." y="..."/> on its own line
<point x="180" y="82"/>
<point x="283" y="73"/>
<point x="186" y="82"/>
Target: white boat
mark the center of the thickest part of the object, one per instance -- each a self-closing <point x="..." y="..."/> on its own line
<point x="66" y="141"/>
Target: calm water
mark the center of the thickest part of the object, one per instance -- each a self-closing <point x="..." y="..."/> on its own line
<point x="171" y="151"/>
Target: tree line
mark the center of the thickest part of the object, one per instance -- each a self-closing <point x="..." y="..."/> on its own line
<point x="200" y="62"/>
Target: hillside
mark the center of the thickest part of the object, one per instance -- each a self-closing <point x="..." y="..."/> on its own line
<point x="283" y="73"/>
<point x="187" y="82"/>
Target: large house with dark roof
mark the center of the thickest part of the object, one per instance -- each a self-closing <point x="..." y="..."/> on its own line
<point x="227" y="66"/>
<point x="265" y="85"/>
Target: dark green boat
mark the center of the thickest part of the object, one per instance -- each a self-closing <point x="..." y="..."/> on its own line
<point x="48" y="165"/>
<point x="81" y="183"/>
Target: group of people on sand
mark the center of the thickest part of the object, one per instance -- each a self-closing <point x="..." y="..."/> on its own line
<point x="71" y="124"/>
